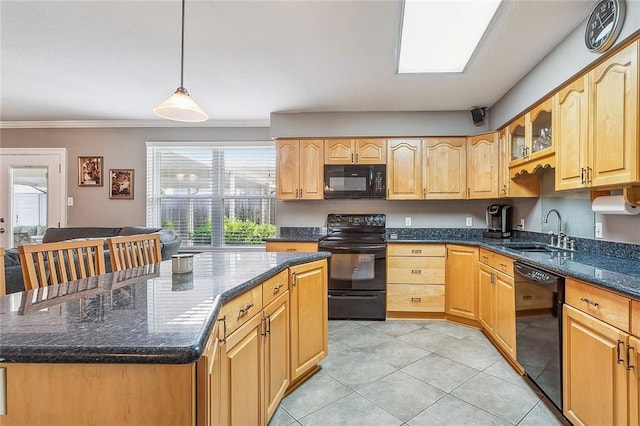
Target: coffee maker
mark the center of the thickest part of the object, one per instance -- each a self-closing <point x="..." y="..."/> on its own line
<point x="498" y="221"/>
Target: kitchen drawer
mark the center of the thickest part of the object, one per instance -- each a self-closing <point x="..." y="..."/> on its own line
<point x="274" y="287"/>
<point x="604" y="305"/>
<point x="292" y="247"/>
<point x="416" y="250"/>
<point x="240" y="309"/>
<point x="497" y="261"/>
<point x="415" y="298"/>
<point x="411" y="270"/>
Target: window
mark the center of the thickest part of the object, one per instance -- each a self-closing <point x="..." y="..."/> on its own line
<point x="212" y="194"/>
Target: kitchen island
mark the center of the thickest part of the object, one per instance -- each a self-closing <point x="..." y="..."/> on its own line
<point x="129" y="347"/>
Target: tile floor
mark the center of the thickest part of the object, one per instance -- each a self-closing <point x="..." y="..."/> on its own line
<point x="401" y="372"/>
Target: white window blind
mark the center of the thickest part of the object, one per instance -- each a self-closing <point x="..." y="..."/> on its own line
<point x="212" y="194"/>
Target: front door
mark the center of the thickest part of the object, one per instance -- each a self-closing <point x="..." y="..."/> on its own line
<point x="32" y="194"/>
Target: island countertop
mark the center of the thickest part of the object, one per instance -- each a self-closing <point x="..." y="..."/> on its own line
<point x="143" y="315"/>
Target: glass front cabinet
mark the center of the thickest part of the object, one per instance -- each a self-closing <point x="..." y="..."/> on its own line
<point x="530" y="140"/>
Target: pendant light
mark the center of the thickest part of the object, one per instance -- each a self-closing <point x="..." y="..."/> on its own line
<point x="180" y="106"/>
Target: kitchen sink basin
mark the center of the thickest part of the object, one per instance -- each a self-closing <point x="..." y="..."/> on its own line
<point x="532" y="247"/>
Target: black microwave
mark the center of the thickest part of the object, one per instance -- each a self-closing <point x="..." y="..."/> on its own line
<point x="355" y="181"/>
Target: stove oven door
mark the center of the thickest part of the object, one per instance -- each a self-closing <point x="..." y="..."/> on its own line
<point x="356" y="266"/>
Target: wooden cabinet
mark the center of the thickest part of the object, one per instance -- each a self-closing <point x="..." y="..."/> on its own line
<point x="531" y="138"/>
<point x="600" y="357"/>
<point x="404" y="169"/>
<point x="208" y="381"/>
<point x="291" y="246"/>
<point x="355" y="151"/>
<point x="277" y="341"/>
<point x="445" y="168"/>
<point x="497" y="310"/>
<point x="522" y="185"/>
<point x="415" y="277"/>
<point x="598" y="123"/>
<point x="309" y="317"/>
<point x="299" y="169"/>
<point x="122" y="394"/>
<point x="613" y="113"/>
<point x="482" y="166"/>
<point x="571" y="132"/>
<point x="461" y="282"/>
<point x="595" y="382"/>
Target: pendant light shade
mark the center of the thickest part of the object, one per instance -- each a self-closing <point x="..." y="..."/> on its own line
<point x="180" y="106"/>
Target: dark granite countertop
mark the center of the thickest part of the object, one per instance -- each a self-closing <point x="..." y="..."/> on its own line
<point x="144" y="315"/>
<point x="616" y="274"/>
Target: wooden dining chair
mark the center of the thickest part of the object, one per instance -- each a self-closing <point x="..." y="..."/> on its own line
<point x="3" y="283"/>
<point x="65" y="261"/>
<point x="131" y="251"/>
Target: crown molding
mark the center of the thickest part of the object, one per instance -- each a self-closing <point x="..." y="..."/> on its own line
<point x="88" y="124"/>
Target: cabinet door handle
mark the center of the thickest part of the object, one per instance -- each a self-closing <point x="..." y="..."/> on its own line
<point x="629" y="350"/>
<point x="589" y="302"/>
<point x="245" y="310"/>
<point x="264" y="326"/>
<point x="224" y="328"/>
<point x="388" y="192"/>
<point x="493" y="278"/>
<point x="300" y="192"/>
<point x="619" y="360"/>
<point x="589" y="170"/>
<point x="277" y="288"/>
<point x="268" y="323"/>
<point x="295" y="279"/>
<point x="416" y="299"/>
<point x="3" y="391"/>
<point x="296" y="192"/>
<point x="582" y="181"/>
<point x="352" y="158"/>
<point x="468" y="192"/>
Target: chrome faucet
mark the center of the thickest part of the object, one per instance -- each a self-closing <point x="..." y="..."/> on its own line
<point x="546" y="220"/>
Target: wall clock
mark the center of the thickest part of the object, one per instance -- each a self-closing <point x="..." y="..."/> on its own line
<point x="604" y="25"/>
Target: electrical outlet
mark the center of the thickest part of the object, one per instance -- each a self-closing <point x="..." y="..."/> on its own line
<point x="521" y="223"/>
<point x="407" y="221"/>
<point x="598" y="229"/>
<point x="469" y="221"/>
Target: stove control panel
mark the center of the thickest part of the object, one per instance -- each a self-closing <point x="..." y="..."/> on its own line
<point x="356" y="220"/>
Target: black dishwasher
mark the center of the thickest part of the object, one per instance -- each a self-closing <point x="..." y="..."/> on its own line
<point x="539" y="299"/>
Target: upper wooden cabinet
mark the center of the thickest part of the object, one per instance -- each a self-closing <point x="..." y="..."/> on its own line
<point x="482" y="166"/>
<point x="445" y="168"/>
<point x="596" y="125"/>
<point x="404" y="169"/>
<point x="525" y="185"/>
<point x="355" y="151"/>
<point x="299" y="169"/>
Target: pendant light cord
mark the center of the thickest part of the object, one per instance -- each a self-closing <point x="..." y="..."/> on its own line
<point x="182" y="49"/>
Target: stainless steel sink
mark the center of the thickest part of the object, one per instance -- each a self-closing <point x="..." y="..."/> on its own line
<point x="530" y="247"/>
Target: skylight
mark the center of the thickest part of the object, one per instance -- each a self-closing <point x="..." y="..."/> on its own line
<point x="441" y="35"/>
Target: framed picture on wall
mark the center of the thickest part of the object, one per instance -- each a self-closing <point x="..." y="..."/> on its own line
<point x="90" y="171"/>
<point x="121" y="184"/>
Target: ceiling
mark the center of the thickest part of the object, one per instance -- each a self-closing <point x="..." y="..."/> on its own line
<point x="116" y="60"/>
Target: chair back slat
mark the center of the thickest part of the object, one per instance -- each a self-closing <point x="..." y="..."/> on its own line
<point x="3" y="282"/>
<point x="134" y="250"/>
<point x="65" y="261"/>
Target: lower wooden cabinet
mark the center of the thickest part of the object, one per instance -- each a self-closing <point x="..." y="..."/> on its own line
<point x="461" y="282"/>
<point x="309" y="316"/>
<point x="497" y="306"/>
<point x="595" y="372"/>
<point x="633" y="377"/>
<point x="208" y="382"/>
<point x="415" y="278"/>
<point x="277" y="341"/>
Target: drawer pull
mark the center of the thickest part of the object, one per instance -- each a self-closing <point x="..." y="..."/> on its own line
<point x="485" y="257"/>
<point x="416" y="271"/>
<point x="504" y="265"/>
<point x="416" y="251"/>
<point x="245" y="310"/>
<point x="292" y="249"/>
<point x="619" y="360"/>
<point x="277" y="288"/>
<point x="589" y="302"/>
<point x="416" y="299"/>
